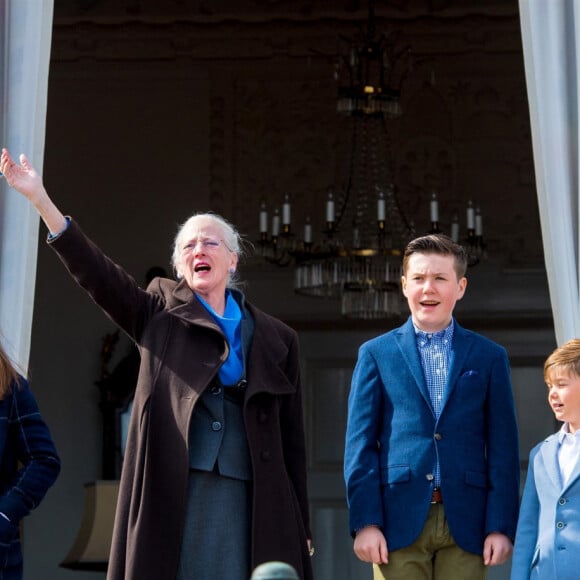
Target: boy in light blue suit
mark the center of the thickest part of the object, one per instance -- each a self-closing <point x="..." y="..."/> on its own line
<point x="547" y="543"/>
<point x="431" y="461"/>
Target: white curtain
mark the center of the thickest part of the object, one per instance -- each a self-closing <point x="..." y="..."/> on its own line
<point x="26" y="32"/>
<point x="551" y="43"/>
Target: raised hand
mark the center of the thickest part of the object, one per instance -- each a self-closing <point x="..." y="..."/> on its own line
<point x="24" y="178"/>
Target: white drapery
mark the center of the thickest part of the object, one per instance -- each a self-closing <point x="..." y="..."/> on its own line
<point x="26" y="32"/>
<point x="551" y="43"/>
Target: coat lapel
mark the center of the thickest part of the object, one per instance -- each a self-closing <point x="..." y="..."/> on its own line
<point x="407" y="343"/>
<point x="267" y="354"/>
<point x="549" y="454"/>
<point x="183" y="304"/>
<point x="462" y="342"/>
<point x="186" y="306"/>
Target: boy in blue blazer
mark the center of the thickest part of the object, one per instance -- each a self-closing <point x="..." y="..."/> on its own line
<point x="431" y="461"/>
<point x="547" y="543"/>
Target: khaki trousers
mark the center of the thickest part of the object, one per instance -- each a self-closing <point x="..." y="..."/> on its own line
<point x="434" y="556"/>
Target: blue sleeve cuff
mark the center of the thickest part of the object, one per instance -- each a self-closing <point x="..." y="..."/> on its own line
<point x="52" y="236"/>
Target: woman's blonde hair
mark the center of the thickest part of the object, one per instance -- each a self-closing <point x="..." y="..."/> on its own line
<point x="8" y="374"/>
<point x="565" y="357"/>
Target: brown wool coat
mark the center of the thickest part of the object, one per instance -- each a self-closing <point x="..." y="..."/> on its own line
<point x="181" y="351"/>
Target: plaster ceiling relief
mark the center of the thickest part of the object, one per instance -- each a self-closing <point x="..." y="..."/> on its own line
<point x="212" y="10"/>
<point x="184" y="37"/>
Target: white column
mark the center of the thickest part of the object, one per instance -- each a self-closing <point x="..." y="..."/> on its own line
<point x="26" y="32"/>
<point x="551" y="51"/>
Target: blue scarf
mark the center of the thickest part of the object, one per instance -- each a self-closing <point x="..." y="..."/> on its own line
<point x="231" y="324"/>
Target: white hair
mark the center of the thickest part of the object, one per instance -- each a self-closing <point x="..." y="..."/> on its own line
<point x="230" y="236"/>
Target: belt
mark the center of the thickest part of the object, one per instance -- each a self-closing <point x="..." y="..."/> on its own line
<point x="436" y="496"/>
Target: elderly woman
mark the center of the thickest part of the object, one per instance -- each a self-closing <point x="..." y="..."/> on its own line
<point x="214" y="476"/>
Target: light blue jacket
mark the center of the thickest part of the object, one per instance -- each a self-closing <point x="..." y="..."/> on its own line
<point x="548" y="537"/>
<point x="393" y="440"/>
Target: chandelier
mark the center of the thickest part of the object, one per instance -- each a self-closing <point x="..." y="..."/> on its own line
<point x="358" y="258"/>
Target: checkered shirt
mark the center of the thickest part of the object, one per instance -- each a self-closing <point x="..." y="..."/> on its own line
<point x="435" y="350"/>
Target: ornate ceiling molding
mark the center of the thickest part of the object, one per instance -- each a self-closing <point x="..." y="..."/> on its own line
<point x="261" y="11"/>
<point x="323" y="39"/>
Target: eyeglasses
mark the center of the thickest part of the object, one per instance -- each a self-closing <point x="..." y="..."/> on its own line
<point x="208" y="244"/>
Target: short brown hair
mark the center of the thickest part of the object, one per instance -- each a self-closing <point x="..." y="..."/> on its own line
<point x="437" y="244"/>
<point x="565" y="357"/>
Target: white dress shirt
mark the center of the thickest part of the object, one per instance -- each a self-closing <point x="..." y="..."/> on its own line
<point x="568" y="452"/>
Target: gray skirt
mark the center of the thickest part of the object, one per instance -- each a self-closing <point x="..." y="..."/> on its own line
<point x="216" y="539"/>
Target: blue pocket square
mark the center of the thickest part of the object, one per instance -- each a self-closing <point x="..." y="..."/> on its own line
<point x="470" y="373"/>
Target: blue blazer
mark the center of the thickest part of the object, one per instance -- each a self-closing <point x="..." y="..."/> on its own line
<point x="547" y="543"/>
<point x="393" y="440"/>
<point x="29" y="465"/>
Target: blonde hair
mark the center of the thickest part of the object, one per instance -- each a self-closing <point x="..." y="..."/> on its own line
<point x="565" y="357"/>
<point x="8" y="374"/>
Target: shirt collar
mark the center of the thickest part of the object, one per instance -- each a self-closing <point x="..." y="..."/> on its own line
<point x="565" y="433"/>
<point x="445" y="334"/>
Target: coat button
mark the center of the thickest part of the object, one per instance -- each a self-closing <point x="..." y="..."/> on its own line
<point x="265" y="455"/>
<point x="262" y="417"/>
<point x="216" y="426"/>
<point x="562" y="501"/>
<point x="438" y="436"/>
<point x="560" y="525"/>
<point x="215" y="390"/>
<point x="429" y="477"/>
